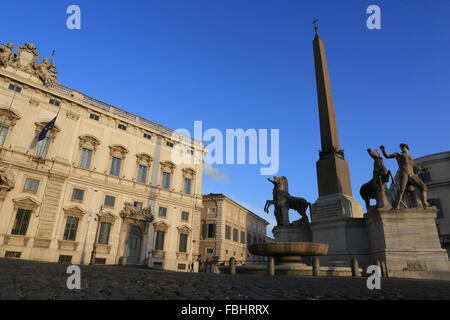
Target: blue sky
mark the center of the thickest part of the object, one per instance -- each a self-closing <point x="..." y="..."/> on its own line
<point x="249" y="64"/>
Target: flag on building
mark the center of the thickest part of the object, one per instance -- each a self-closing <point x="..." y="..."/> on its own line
<point x="47" y="128"/>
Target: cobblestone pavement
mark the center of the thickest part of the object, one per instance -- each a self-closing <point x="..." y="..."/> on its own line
<point x="21" y="279"/>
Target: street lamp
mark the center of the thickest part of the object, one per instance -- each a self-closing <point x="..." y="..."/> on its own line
<point x="94" y="247"/>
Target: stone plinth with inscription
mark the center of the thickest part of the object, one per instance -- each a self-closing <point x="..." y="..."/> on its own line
<point x="407" y="240"/>
<point x="300" y="233"/>
<point x="336" y="206"/>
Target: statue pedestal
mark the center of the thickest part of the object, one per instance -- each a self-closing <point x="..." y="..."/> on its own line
<point x="338" y="221"/>
<point x="407" y="240"/>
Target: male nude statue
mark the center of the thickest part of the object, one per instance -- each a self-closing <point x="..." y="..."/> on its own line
<point x="408" y="171"/>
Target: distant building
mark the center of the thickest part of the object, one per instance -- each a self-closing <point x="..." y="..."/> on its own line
<point x="437" y="179"/>
<point x="227" y="229"/>
<point x="97" y="159"/>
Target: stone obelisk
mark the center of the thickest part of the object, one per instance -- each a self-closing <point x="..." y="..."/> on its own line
<point x="333" y="174"/>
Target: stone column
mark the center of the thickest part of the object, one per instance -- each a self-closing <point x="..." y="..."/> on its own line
<point x="271" y="266"/>
<point x="378" y="263"/>
<point x="232" y="263"/>
<point x="355" y="268"/>
<point x="316" y="267"/>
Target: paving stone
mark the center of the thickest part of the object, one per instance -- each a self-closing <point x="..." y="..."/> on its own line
<point x="20" y="279"/>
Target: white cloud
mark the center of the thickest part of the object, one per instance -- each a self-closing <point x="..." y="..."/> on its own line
<point x="214" y="174"/>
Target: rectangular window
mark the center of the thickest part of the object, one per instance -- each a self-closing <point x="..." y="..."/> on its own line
<point x="3" y="133"/>
<point x="94" y="116"/>
<point x="65" y="259"/>
<point x="249" y="238"/>
<point x="209" y="250"/>
<point x="70" y="231"/>
<point x="254" y="239"/>
<point x="147" y="136"/>
<point x="21" y="223"/>
<point x="166" y="180"/>
<point x="85" y="158"/>
<point x="183" y="242"/>
<point x="14" y="88"/>
<point x="169" y="144"/>
<point x="142" y="174"/>
<point x="212" y="210"/>
<point x="185" y="215"/>
<point x="162" y="212"/>
<point x="181" y="266"/>
<point x="31" y="185"/>
<point x="54" y="102"/>
<point x="109" y="201"/>
<point x="187" y="186"/>
<point x="115" y="166"/>
<point x="235" y="234"/>
<point x="121" y="126"/>
<point x="159" y="245"/>
<point x="42" y="147"/>
<point x="228" y="232"/>
<point x="243" y="237"/>
<point x="77" y="194"/>
<point x="137" y="205"/>
<point x="103" y="236"/>
<point x="12" y="254"/>
<point x="211" y="232"/>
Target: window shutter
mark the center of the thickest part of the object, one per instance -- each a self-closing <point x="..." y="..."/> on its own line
<point x="204" y="229"/>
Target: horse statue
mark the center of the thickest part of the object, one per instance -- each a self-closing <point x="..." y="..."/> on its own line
<point x="283" y="201"/>
<point x="376" y="187"/>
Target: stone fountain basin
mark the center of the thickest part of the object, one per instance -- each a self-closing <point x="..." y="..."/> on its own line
<point x="283" y="249"/>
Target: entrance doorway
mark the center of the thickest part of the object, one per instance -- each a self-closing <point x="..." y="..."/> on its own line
<point x="133" y="246"/>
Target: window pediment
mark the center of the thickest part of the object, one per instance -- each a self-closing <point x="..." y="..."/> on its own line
<point x="89" y="141"/>
<point x="74" y="211"/>
<point x="161" y="225"/>
<point x="184" y="228"/>
<point x="10" y="116"/>
<point x="118" y="150"/>
<point x="168" y="165"/>
<point x="188" y="172"/>
<point x="51" y="133"/>
<point x="144" y="158"/>
<point x="27" y="202"/>
<point x="108" y="217"/>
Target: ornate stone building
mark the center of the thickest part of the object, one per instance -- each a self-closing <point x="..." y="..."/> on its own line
<point x="437" y="179"/>
<point x="227" y="228"/>
<point x="100" y="173"/>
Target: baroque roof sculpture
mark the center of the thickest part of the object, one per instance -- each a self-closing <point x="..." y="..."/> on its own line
<point x="25" y="60"/>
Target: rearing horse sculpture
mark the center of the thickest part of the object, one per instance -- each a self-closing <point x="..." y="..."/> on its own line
<point x="283" y="201"/>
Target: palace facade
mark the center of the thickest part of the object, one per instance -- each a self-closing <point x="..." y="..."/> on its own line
<point x="437" y="179"/>
<point x="227" y="229"/>
<point x="100" y="176"/>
